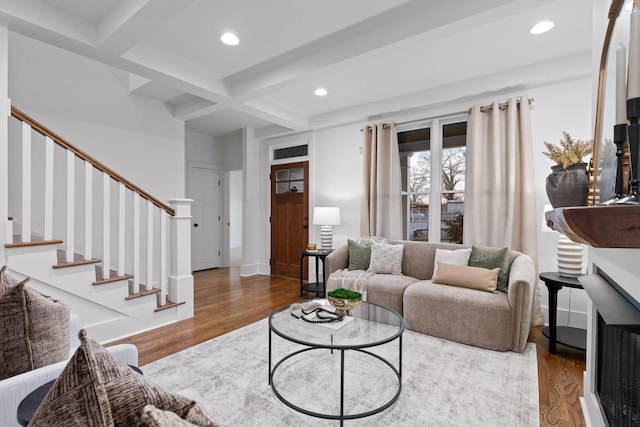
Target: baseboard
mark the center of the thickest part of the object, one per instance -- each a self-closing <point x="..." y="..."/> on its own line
<point x="575" y="319"/>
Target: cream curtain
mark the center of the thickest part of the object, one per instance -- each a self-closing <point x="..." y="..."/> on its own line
<point x="381" y="210"/>
<point x="500" y="199"/>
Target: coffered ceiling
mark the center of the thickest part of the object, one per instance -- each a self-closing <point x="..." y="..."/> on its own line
<point x="372" y="56"/>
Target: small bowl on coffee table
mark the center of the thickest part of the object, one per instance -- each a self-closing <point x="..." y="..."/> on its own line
<point x="344" y="300"/>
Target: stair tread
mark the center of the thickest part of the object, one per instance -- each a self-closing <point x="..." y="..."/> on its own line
<point x="35" y="241"/>
<point x="77" y="260"/>
<point x="113" y="276"/>
<point x="169" y="304"/>
<point x="142" y="293"/>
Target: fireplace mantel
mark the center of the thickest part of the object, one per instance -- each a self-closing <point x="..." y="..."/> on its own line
<point x="598" y="226"/>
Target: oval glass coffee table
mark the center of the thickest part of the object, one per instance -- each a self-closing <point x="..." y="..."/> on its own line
<point x="325" y="347"/>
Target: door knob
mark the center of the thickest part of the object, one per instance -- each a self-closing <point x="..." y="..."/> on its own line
<point x="195" y="225"/>
<point x="305" y="226"/>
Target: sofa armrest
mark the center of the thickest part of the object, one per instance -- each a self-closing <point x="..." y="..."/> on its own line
<point x="16" y="388"/>
<point x="336" y="260"/>
<point x="522" y="280"/>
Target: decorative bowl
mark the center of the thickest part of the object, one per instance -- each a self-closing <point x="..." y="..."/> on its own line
<point x="344" y="300"/>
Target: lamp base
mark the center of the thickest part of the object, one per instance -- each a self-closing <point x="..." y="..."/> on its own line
<point x="326" y="238"/>
<point x="569" y="257"/>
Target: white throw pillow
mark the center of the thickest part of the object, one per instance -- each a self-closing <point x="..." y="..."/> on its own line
<point x="457" y="257"/>
<point x="386" y="259"/>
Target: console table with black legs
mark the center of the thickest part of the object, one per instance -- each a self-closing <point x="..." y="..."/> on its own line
<point x="571" y="337"/>
<point x="318" y="287"/>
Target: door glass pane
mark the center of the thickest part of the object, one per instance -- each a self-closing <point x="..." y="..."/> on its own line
<point x="296" y="174"/>
<point x="282" y="175"/>
<point x="282" y="187"/>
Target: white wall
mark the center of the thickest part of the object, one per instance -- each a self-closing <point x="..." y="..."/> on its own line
<point x="88" y="104"/>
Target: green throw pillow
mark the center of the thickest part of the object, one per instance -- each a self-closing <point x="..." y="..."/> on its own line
<point x="498" y="259"/>
<point x="359" y="255"/>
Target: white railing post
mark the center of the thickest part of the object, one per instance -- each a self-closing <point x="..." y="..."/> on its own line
<point x="106" y="225"/>
<point x="88" y="210"/>
<point x="48" y="189"/>
<point x="26" y="182"/>
<point x="163" y="257"/>
<point x="121" y="224"/>
<point x="71" y="203"/>
<point x="149" y="245"/>
<point x="136" y="243"/>
<point x="180" y="277"/>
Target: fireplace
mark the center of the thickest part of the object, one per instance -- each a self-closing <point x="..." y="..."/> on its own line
<point x="612" y="381"/>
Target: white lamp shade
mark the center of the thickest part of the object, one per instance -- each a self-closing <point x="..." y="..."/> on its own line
<point x="326" y="216"/>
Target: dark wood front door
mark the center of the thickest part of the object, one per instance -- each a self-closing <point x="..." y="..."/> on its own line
<point x="289" y="217"/>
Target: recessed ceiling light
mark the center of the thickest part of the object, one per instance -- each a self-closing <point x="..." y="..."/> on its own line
<point x="542" y="27"/>
<point x="320" y="92"/>
<point x="230" y="39"/>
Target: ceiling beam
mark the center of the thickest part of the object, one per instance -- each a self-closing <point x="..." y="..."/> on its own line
<point x="130" y="21"/>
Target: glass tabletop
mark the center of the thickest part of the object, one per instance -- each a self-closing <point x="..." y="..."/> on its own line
<point x="368" y="325"/>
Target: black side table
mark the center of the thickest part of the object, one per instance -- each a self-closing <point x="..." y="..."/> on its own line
<point x="571" y="337"/>
<point x="317" y="288"/>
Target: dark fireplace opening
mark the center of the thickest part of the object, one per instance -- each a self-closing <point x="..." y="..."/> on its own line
<point x="618" y="375"/>
<point x="617" y="354"/>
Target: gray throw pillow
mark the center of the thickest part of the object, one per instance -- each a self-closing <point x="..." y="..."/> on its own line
<point x="359" y="255"/>
<point x="498" y="259"/>
<point x="386" y="259"/>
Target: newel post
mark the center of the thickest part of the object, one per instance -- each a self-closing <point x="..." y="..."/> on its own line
<point x="180" y="277"/>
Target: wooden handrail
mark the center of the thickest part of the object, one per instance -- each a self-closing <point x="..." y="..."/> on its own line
<point x="38" y="127"/>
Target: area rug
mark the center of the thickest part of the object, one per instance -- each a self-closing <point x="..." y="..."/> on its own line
<point x="443" y="383"/>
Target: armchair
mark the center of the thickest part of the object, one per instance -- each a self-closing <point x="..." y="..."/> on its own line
<point x="16" y="388"/>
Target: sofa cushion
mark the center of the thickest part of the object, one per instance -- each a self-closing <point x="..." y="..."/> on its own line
<point x="481" y="279"/>
<point x="388" y="290"/>
<point x="459" y="314"/>
<point x="452" y="257"/>
<point x="35" y="328"/>
<point x="498" y="259"/>
<point x="95" y="389"/>
<point x="386" y="259"/>
<point x="359" y="255"/>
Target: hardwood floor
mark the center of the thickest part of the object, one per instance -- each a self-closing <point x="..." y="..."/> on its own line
<point x="225" y="301"/>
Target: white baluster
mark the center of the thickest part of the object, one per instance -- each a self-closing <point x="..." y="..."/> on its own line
<point x="48" y="188"/>
<point x="121" y="224"/>
<point x="136" y="242"/>
<point x="163" y="257"/>
<point x="149" y="245"/>
<point x="26" y="182"/>
<point x="88" y="210"/>
<point x="106" y="225"/>
<point x="71" y="201"/>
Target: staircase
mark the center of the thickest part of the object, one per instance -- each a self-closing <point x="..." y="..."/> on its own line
<point x="85" y="235"/>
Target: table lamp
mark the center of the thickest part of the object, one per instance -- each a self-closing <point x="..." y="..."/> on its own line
<point x="326" y="217"/>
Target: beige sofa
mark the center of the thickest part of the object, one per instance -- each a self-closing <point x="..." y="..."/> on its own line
<point x="495" y="321"/>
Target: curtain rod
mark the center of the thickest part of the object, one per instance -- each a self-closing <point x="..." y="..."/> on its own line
<point x="384" y="126"/>
<point x="501" y="106"/>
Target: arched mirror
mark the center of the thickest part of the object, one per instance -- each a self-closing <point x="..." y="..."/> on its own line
<point x="604" y="150"/>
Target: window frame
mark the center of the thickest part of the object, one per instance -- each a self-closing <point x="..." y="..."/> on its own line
<point x="435" y="190"/>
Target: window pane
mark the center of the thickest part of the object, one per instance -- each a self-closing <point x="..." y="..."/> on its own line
<point x="451" y="217"/>
<point x="419" y="219"/>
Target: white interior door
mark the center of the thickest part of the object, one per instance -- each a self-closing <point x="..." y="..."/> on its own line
<point x="204" y="189"/>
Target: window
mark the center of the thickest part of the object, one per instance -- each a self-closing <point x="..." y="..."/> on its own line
<point x="433" y="161"/>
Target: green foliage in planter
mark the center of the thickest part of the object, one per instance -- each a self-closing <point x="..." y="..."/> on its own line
<point x="342" y="293"/>
<point x="569" y="152"/>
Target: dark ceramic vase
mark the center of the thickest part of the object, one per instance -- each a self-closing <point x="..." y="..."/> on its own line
<point x="568" y="187"/>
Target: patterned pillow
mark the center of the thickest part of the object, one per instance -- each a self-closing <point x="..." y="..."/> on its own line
<point x="35" y="328"/>
<point x="154" y="417"/>
<point x="386" y="259"/>
<point x="95" y="389"/>
<point x="457" y="257"/>
<point x="370" y="240"/>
